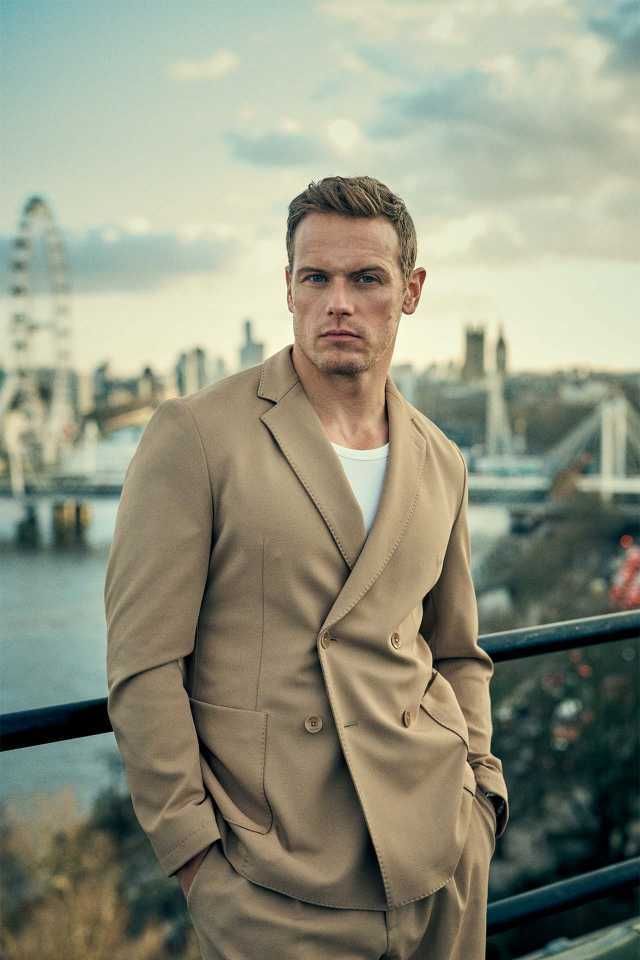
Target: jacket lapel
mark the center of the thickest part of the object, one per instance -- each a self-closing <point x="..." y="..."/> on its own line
<point x="297" y="429"/>
<point x="407" y="449"/>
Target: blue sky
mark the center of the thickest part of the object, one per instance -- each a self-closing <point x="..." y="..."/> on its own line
<point x="170" y="137"/>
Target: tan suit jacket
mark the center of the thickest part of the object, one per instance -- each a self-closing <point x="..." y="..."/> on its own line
<point x="314" y="697"/>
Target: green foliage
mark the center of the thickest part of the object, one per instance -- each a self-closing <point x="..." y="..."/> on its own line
<point x="565" y="724"/>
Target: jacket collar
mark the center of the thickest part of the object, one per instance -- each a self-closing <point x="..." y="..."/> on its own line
<point x="297" y="429"/>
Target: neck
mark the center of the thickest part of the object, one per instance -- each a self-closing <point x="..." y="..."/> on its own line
<point x="352" y="409"/>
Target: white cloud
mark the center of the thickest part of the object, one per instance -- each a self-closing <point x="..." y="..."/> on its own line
<point x="219" y="64"/>
<point x="452" y="31"/>
<point x="353" y="63"/>
<point x="111" y="258"/>
<point x="246" y="113"/>
<point x="289" y="125"/>
<point x="137" y="225"/>
<point x="444" y="28"/>
<point x="505" y="66"/>
<point x="345" y="135"/>
<point x="375" y="18"/>
<point x="519" y="124"/>
<point x="188" y="232"/>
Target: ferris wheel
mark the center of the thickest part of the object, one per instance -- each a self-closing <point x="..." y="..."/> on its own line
<point x="37" y="418"/>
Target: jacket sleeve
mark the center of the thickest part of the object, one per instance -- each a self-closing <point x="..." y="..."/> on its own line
<point x="451" y="622"/>
<point x="155" y="577"/>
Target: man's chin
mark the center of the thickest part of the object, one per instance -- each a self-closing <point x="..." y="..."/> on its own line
<point x="338" y="360"/>
<point x="342" y="366"/>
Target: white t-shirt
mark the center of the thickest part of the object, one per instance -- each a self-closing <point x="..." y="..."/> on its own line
<point x="365" y="470"/>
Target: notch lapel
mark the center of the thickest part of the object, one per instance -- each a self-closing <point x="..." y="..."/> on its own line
<point x="299" y="433"/>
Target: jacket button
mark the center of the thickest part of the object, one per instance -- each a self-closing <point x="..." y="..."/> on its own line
<point x="313" y="723"/>
<point x="406" y="717"/>
<point x="395" y="640"/>
<point x="325" y="638"/>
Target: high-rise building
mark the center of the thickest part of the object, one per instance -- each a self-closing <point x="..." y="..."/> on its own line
<point x="251" y="352"/>
<point x="217" y="369"/>
<point x="501" y="352"/>
<point x="191" y="371"/>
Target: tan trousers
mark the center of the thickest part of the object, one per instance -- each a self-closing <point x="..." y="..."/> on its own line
<point x="236" y="919"/>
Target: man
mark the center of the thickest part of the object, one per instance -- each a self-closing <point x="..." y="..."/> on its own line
<point x="295" y="682"/>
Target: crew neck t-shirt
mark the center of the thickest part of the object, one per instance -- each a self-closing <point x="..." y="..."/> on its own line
<point x="365" y="471"/>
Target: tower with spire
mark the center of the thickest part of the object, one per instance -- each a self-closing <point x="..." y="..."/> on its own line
<point x="501" y="352"/>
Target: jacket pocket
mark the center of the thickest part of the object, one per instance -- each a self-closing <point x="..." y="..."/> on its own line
<point x="196" y="876"/>
<point x="440" y="702"/>
<point x="233" y="744"/>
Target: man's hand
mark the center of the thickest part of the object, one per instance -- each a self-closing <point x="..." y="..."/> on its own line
<point x="188" y="870"/>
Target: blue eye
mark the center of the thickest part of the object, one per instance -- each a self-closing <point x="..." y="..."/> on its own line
<point x="362" y="276"/>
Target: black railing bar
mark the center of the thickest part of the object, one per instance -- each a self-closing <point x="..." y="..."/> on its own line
<point x="87" y="718"/>
<point x="562" y="895"/>
<point x="562" y="635"/>
<point x="61" y="721"/>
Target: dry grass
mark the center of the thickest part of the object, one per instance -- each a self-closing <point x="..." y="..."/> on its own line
<point x="72" y="909"/>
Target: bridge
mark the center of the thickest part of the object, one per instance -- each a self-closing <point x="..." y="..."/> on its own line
<point x="599" y="455"/>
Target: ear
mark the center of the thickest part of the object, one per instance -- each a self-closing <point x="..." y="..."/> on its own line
<point x="287" y="277"/>
<point x="413" y="291"/>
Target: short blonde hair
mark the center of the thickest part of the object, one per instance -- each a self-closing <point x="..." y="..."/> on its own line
<point x="356" y="197"/>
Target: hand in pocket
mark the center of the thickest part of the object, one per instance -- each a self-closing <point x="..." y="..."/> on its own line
<point x="188" y="871"/>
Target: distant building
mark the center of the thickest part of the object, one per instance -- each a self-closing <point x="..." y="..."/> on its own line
<point x="110" y="391"/>
<point x="404" y="377"/>
<point x="191" y="371"/>
<point x="101" y="380"/>
<point x="251" y="352"/>
<point x="149" y="386"/>
<point x="445" y="370"/>
<point x="217" y="369"/>
<point x="169" y="383"/>
<point x="473" y="368"/>
<point x="501" y="353"/>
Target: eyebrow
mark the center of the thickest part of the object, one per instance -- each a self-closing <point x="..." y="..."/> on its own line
<point x="370" y="269"/>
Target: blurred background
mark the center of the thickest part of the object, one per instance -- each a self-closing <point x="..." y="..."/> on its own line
<point x="149" y="153"/>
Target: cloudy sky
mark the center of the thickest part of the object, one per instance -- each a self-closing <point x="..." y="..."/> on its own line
<point x="168" y="139"/>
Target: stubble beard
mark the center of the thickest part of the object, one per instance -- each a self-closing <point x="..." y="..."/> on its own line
<point x="336" y="365"/>
<point x="347" y="366"/>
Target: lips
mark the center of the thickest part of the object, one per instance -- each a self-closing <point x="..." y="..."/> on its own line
<point x="339" y="333"/>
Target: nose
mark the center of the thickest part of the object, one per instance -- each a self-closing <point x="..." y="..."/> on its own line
<point x="338" y="300"/>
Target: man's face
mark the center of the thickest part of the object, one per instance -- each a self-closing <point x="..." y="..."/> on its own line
<point x="346" y="277"/>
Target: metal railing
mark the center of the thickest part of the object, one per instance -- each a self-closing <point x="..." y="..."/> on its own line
<point x="87" y="718"/>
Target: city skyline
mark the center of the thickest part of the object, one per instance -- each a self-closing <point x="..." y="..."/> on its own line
<point x="169" y="146"/>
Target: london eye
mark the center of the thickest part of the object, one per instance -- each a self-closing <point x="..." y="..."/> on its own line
<point x="36" y="412"/>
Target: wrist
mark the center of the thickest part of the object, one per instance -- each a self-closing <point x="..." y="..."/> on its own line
<point x="497" y="801"/>
<point x="193" y="861"/>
